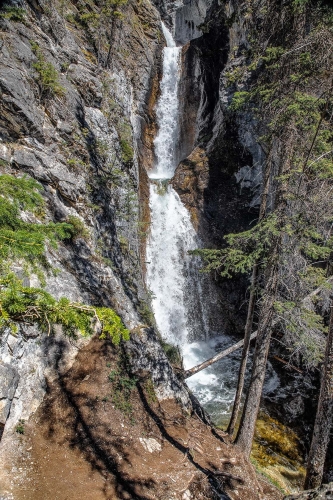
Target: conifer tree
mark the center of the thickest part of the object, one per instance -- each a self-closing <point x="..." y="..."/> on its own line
<point x="25" y="243"/>
<point x="323" y="422"/>
<point x="292" y="242"/>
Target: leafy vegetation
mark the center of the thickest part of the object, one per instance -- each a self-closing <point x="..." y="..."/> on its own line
<point x="126" y="150"/>
<point x="99" y="20"/>
<point x="289" y="93"/>
<point x="146" y="313"/>
<point x="150" y="391"/>
<point x="172" y="353"/>
<point x="18" y="238"/>
<point x="123" y="385"/>
<point x="25" y="242"/>
<point x="16" y="14"/>
<point x="47" y="75"/>
<point x="78" y="228"/>
<point x="20" y="426"/>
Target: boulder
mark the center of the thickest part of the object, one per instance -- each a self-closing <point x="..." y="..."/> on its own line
<point x="9" y="378"/>
<point x="325" y="492"/>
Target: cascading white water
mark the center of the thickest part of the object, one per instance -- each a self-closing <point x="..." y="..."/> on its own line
<point x="170" y="270"/>
<point x="172" y="275"/>
<point x="167" y="111"/>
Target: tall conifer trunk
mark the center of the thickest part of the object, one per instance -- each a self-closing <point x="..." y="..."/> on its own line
<point x="246" y="429"/>
<point x="324" y="416"/>
<point x="251" y="408"/>
<point x="250" y="310"/>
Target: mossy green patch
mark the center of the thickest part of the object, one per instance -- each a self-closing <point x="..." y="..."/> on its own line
<point x="277" y="454"/>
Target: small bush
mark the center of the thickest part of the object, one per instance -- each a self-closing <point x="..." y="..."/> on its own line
<point x="123" y="385"/>
<point x="124" y="244"/>
<point x="47" y="76"/>
<point x="16" y="14"/>
<point x="172" y="353"/>
<point x="20" y="426"/>
<point x="127" y="153"/>
<point x="150" y="391"/>
<point x="78" y="228"/>
<point x="146" y="313"/>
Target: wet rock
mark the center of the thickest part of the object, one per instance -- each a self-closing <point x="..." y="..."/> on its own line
<point x="188" y="19"/>
<point x="191" y="180"/>
<point x="325" y="492"/>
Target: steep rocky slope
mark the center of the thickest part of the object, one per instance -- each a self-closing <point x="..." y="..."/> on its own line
<point x="78" y="137"/>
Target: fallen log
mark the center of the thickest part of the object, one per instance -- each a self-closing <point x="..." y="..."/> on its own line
<point x="229" y="350"/>
<point x="289" y="365"/>
<point x="220" y="355"/>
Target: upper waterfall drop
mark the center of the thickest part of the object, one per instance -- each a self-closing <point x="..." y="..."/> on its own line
<point x="167" y="111"/>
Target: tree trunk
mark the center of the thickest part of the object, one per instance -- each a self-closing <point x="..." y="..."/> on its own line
<point x="323" y="422"/>
<point x="251" y="308"/>
<point x="250" y="412"/>
<point x="245" y="352"/>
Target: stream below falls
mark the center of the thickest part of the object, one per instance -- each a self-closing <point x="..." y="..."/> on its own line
<point x="178" y="290"/>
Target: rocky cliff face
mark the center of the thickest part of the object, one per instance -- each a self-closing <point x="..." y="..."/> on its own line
<point x="81" y="139"/>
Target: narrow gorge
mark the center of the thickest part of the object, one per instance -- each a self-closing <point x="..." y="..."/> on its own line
<point x="154" y="155"/>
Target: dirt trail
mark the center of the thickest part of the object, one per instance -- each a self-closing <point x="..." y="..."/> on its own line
<point x="89" y="441"/>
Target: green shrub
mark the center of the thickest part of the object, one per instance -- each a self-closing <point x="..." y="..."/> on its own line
<point x="150" y="391"/>
<point x="146" y="313"/>
<point x="127" y="153"/>
<point x="239" y="100"/>
<point x="123" y="386"/>
<point x="20" y="426"/>
<point x="78" y="228"/>
<point x="19" y="303"/>
<point x="26" y="241"/>
<point x="20" y="239"/>
<point x="102" y="148"/>
<point x="124" y="244"/>
<point x="47" y="76"/>
<point x="16" y="14"/>
<point x="172" y="353"/>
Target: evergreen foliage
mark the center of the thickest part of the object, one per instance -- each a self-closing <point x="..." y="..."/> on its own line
<point x="290" y="95"/>
<point x="16" y="14"/>
<point x="18" y="238"/>
<point x="25" y="242"/>
<point x="47" y="75"/>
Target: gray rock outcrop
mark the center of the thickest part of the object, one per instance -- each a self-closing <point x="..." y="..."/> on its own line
<point x="84" y="146"/>
<point x="9" y="378"/>
<point x="325" y="492"/>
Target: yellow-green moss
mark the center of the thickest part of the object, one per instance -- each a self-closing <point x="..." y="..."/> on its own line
<point x="276" y="453"/>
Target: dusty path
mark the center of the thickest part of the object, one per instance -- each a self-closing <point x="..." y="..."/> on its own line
<point x="88" y="441"/>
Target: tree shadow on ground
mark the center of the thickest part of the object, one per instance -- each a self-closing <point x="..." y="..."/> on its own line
<point x="92" y="436"/>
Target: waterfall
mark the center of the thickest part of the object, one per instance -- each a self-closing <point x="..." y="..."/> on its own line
<point x="173" y="276"/>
